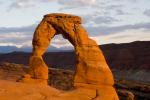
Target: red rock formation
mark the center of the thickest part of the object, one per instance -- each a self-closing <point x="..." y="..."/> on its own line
<point x="92" y="71"/>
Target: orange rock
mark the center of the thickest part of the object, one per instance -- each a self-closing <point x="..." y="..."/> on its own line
<point x="92" y="70"/>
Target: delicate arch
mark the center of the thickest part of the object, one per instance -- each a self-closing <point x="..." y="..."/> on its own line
<point x="92" y="70"/>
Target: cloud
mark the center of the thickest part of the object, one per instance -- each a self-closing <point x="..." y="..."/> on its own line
<point x="30" y="28"/>
<point x="96" y="18"/>
<point x="22" y="36"/>
<point x="105" y="30"/>
<point x="59" y="42"/>
<point x="120" y="12"/>
<point x="22" y="4"/>
<point x="76" y="2"/>
<point x="66" y="3"/>
<point x="147" y="12"/>
<point x="123" y="37"/>
<point x="16" y="38"/>
<point x="113" y="7"/>
<point x="104" y="20"/>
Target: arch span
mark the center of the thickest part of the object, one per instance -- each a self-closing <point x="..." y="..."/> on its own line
<point x="92" y="70"/>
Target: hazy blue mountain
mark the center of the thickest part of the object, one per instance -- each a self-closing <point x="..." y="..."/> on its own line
<point x="8" y="49"/>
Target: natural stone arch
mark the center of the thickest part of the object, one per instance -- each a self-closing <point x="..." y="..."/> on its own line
<point x="92" y="70"/>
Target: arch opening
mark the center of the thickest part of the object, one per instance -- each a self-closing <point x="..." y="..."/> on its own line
<point x="62" y="56"/>
<point x="60" y="43"/>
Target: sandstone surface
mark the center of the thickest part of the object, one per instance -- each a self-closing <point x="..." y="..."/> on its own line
<point x="92" y="76"/>
<point x="63" y="80"/>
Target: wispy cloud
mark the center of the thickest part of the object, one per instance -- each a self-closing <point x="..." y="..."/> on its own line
<point x="124" y="37"/>
<point x="17" y="39"/>
<point x="147" y="12"/>
<point x="23" y="36"/>
<point x="22" y="4"/>
<point x="121" y="12"/>
<point x="17" y="29"/>
<point x="104" y="30"/>
<point x="31" y="3"/>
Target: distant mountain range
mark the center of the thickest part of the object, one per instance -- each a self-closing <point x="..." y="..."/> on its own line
<point x="8" y="49"/>
<point x="127" y="54"/>
<point x="126" y="59"/>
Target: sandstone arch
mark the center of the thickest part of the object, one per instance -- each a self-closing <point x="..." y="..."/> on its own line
<point x="92" y="70"/>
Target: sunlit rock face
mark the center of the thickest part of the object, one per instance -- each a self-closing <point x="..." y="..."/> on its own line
<point x="92" y="72"/>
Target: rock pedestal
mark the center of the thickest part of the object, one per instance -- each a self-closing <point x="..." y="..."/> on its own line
<point x="92" y="71"/>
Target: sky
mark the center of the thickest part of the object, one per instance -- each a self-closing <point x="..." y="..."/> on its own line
<point x="107" y="21"/>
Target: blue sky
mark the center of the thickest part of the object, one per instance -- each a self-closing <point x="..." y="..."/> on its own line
<point x="107" y="21"/>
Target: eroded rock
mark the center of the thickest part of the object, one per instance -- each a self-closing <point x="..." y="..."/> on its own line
<point x="92" y="71"/>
